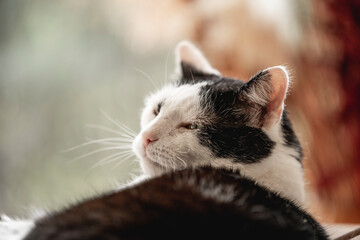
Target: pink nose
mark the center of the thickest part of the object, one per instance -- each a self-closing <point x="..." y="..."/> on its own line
<point x="147" y="138"/>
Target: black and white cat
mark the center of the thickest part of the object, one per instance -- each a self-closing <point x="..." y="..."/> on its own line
<point x="219" y="157"/>
<point x="205" y="119"/>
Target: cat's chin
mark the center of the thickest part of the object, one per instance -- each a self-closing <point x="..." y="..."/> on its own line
<point x="151" y="167"/>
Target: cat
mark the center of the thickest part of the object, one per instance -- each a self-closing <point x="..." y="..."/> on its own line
<point x="205" y="119"/>
<point x="220" y="159"/>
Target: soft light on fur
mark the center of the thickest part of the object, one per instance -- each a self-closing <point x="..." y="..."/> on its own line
<point x="177" y="147"/>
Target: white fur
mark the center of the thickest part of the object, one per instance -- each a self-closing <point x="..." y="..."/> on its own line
<point x="221" y="193"/>
<point x="282" y="171"/>
<point x="177" y="147"/>
<point x="14" y="229"/>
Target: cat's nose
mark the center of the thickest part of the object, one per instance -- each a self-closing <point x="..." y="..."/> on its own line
<point x="147" y="138"/>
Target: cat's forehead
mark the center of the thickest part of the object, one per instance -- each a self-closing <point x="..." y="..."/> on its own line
<point x="186" y="93"/>
<point x="224" y="84"/>
<point x="172" y="94"/>
<point x="215" y="82"/>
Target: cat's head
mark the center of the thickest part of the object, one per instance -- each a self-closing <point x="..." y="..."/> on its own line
<point x="206" y="119"/>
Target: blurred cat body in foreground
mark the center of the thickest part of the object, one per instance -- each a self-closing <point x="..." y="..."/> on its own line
<point x="220" y="158"/>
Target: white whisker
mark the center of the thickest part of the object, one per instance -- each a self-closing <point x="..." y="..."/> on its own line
<point x="148" y="77"/>
<point x="173" y="164"/>
<point x="117" y="144"/>
<point x="94" y="152"/>
<point x="99" y="163"/>
<point x="116" y="140"/>
<point x="123" y="127"/>
<point x="111" y="157"/>
<point x="96" y="141"/>
<point x="182" y="152"/>
<point x="108" y="160"/>
<point x="182" y="160"/>
<point x="105" y="129"/>
<point x="126" y="128"/>
<point x="122" y="160"/>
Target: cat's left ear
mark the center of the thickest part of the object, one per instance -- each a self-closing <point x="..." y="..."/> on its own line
<point x="268" y="89"/>
<point x="191" y="63"/>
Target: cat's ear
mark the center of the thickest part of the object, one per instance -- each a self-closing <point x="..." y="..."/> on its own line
<point x="268" y="88"/>
<point x="191" y="63"/>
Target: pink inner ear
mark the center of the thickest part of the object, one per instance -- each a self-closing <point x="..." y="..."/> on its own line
<point x="279" y="82"/>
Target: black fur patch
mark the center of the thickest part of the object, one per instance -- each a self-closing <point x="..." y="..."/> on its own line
<point x="289" y="136"/>
<point x="229" y="133"/>
<point x="191" y="75"/>
<point x="259" y="79"/>
<point x="232" y="127"/>
<point x="243" y="144"/>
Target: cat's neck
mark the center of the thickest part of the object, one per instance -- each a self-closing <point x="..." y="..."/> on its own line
<point x="281" y="172"/>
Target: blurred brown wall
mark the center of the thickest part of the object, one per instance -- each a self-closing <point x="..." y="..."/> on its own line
<point x="333" y="116"/>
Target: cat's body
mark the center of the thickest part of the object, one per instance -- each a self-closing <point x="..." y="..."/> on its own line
<point x="188" y="204"/>
<point x="221" y="158"/>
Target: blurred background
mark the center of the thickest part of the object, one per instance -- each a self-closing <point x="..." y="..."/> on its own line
<point x="68" y="67"/>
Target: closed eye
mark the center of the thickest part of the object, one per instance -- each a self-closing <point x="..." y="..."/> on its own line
<point x="190" y="126"/>
<point x="157" y="110"/>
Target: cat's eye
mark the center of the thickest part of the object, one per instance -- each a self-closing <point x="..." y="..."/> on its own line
<point x="157" y="110"/>
<point x="191" y="126"/>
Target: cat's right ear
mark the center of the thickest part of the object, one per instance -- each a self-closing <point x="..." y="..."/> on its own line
<point x="268" y="89"/>
<point x="191" y="63"/>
